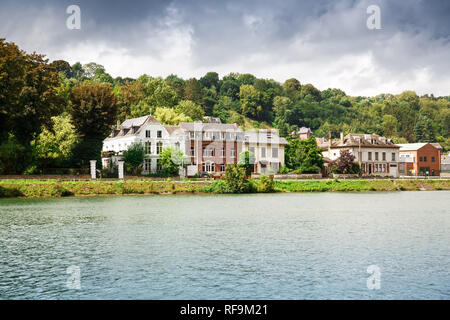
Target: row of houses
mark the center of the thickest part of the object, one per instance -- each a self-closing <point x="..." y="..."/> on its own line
<point x="209" y="146"/>
<point x="378" y="155"/>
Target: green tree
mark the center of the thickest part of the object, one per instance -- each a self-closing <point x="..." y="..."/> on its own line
<point x="250" y="101"/>
<point x="13" y="156"/>
<point x="235" y="178"/>
<point x="134" y="157"/>
<point x="171" y="160"/>
<point x="62" y="66"/>
<point x="291" y="88"/>
<point x="190" y="109"/>
<point x="93" y="112"/>
<point x="304" y="155"/>
<point x="54" y="147"/>
<point x="193" y="91"/>
<point x="423" y="129"/>
<point x="169" y="116"/>
<point x="247" y="161"/>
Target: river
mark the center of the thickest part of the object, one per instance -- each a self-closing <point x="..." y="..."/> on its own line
<point x="260" y="246"/>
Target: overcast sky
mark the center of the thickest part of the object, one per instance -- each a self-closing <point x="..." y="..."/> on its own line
<point x="323" y="42"/>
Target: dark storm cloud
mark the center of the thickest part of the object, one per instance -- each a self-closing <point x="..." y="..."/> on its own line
<point x="312" y="40"/>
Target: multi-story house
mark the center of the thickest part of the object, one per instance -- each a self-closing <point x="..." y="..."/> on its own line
<point x="420" y="159"/>
<point x="375" y="154"/>
<point x="146" y="130"/>
<point x="209" y="147"/>
<point x="268" y="148"/>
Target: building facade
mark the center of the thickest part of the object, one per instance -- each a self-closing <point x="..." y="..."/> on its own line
<point x="268" y="148"/>
<point x="209" y="147"/>
<point x="420" y="159"/>
<point x="376" y="155"/>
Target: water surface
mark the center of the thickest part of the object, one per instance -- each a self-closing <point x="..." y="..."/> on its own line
<point x="275" y="246"/>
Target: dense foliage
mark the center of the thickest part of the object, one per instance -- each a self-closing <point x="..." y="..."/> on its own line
<point x="303" y="156"/>
<point x="33" y="91"/>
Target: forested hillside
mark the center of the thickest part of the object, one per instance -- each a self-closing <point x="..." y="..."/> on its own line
<point x="56" y="115"/>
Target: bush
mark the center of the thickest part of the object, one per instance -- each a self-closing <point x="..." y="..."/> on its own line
<point x="265" y="184"/>
<point x="235" y="179"/>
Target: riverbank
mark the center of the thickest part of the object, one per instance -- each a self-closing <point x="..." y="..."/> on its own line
<point x="57" y="188"/>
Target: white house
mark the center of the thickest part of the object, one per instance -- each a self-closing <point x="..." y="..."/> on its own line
<point x="146" y="130"/>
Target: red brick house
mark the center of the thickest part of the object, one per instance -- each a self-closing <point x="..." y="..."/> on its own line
<point x="420" y="159"/>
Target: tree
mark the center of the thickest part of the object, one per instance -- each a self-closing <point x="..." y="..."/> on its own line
<point x="28" y="93"/>
<point x="94" y="112"/>
<point x="13" y="156"/>
<point x="56" y="146"/>
<point x="304" y="155"/>
<point x="134" y="157"/>
<point x="250" y="101"/>
<point x="77" y="71"/>
<point x="247" y="161"/>
<point x="169" y="116"/>
<point x="190" y="109"/>
<point x="423" y="129"/>
<point x="282" y="107"/>
<point x="62" y="66"/>
<point x="209" y="80"/>
<point x="291" y="88"/>
<point x="171" y="160"/>
<point x="235" y="179"/>
<point x="390" y="125"/>
<point x="345" y="163"/>
<point x="193" y="91"/>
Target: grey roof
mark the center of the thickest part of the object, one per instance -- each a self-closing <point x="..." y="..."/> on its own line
<point x="197" y="126"/>
<point x="437" y="145"/>
<point x="363" y="140"/>
<point x="135" y="122"/>
<point x="411" y="146"/>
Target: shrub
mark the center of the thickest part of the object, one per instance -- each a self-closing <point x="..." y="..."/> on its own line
<point x="235" y="179"/>
<point x="265" y="184"/>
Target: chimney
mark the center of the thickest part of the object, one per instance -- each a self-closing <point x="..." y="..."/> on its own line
<point x="342" y="137"/>
<point x="118" y="124"/>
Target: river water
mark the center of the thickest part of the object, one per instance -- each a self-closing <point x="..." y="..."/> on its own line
<point x="262" y="246"/>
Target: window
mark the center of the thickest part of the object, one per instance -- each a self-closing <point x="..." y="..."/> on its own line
<point x="369" y="154"/>
<point x="204" y="153"/>
<point x="177" y="145"/>
<point x="148" y="148"/>
<point x="147" y="133"/>
<point x="192" y="151"/>
<point x="263" y="152"/>
<point x="222" y="167"/>
<point x="159" y="134"/>
<point x="159" y="166"/>
<point x="191" y="134"/>
<point x="208" y="166"/>
<point x="147" y="164"/>
<point x="251" y="149"/>
<point x="269" y="135"/>
<point x="420" y="159"/>
<point x="223" y="152"/>
<point x="159" y="147"/>
<point x="384" y="156"/>
<point x="425" y="159"/>
<point x="376" y="156"/>
<point x="233" y="152"/>
<point x="432" y="159"/>
<point x="274" y="152"/>
<point x="393" y="156"/>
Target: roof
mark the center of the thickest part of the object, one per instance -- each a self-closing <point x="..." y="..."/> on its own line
<point x="261" y="137"/>
<point x="361" y="140"/>
<point x="304" y="130"/>
<point x="137" y="122"/>
<point x="200" y="126"/>
<point x="412" y="146"/>
<point x="172" y="129"/>
<point x="437" y="145"/>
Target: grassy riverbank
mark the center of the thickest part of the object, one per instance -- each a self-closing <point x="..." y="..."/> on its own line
<point x="56" y="188"/>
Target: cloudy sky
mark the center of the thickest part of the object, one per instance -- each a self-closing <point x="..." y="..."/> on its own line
<point x="323" y="42"/>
